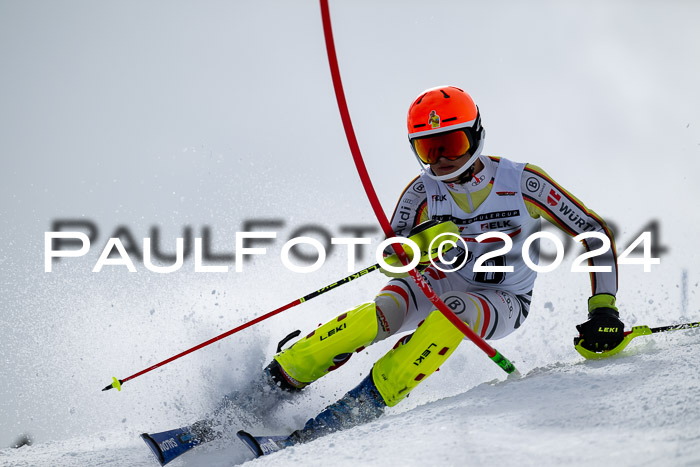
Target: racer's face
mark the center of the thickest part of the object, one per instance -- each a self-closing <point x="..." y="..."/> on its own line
<point x="444" y="166"/>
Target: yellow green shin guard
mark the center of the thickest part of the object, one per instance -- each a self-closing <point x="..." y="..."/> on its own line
<point x="415" y="357"/>
<point x="329" y="346"/>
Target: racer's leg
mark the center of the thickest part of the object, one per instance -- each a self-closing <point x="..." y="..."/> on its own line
<point x="332" y="344"/>
<point x="325" y="348"/>
<point x="398" y="307"/>
<point x="492" y="314"/>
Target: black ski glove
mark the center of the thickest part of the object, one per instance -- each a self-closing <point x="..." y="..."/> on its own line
<point x="602" y="331"/>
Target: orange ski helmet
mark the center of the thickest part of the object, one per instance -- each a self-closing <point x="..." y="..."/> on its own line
<point x="445" y="122"/>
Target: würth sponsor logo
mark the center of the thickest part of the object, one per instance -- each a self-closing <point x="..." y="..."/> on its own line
<point x="553" y="198"/>
<point x="575" y="218"/>
<point x="505" y="193"/>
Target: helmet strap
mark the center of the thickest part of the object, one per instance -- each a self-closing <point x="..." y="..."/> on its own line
<point x="466" y="176"/>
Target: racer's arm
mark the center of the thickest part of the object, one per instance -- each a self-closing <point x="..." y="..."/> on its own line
<point x="544" y="197"/>
<point x="411" y="210"/>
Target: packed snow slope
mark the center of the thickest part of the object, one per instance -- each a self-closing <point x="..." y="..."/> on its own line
<point x="632" y="410"/>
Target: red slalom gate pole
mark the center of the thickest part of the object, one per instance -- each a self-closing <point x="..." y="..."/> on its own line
<point x="499" y="359"/>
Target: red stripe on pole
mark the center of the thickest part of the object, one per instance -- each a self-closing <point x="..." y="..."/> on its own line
<point x="372" y="195"/>
<point x="211" y="341"/>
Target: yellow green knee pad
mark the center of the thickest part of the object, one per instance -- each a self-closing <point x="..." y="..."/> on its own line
<point x="415" y="357"/>
<point x="330" y="345"/>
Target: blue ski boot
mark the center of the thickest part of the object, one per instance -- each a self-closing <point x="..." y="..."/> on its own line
<point x="359" y="405"/>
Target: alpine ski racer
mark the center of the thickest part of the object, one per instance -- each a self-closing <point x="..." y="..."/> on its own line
<point x="479" y="194"/>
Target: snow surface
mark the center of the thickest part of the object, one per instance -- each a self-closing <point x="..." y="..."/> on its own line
<point x="184" y="114"/>
<point x="637" y="409"/>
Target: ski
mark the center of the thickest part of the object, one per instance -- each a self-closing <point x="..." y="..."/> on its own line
<point x="167" y="445"/>
<point x="264" y="445"/>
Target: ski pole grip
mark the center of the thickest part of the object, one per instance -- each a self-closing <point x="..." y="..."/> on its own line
<point x="503" y="362"/>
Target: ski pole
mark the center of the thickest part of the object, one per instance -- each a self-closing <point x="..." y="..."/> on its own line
<point x="493" y="354"/>
<point x="422" y="235"/>
<point x="117" y="383"/>
<point x="629" y="335"/>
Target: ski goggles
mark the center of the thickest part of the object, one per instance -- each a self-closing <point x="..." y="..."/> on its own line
<point x="451" y="145"/>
